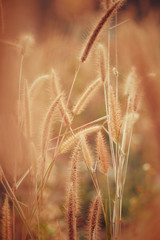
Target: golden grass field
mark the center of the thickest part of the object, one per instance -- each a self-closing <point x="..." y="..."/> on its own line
<point x="79" y="120"/>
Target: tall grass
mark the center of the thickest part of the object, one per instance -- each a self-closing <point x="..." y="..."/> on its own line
<point x="98" y="147"/>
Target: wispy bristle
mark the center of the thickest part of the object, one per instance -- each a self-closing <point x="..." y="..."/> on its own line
<point x="86" y="97"/>
<point x="115" y="115"/>
<point x="70" y="215"/>
<point x="132" y="89"/>
<point x="86" y="152"/>
<point x="74" y="175"/>
<point x="132" y="118"/>
<point x="131" y="83"/>
<point x="6" y="230"/>
<point x="68" y="144"/>
<point x="94" y="216"/>
<point x="102" y="153"/>
<point x="137" y="100"/>
<point x="102" y="62"/>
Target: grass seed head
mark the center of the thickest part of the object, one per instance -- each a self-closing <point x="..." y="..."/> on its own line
<point x="93" y="221"/>
<point x="102" y="153"/>
<point x="6" y="229"/>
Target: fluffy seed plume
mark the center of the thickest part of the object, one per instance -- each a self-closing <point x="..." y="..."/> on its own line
<point x="132" y="86"/>
<point x="86" y="152"/>
<point x="130" y="83"/>
<point x="70" y="215"/>
<point x="102" y="153"/>
<point x="26" y="43"/>
<point x="132" y="118"/>
<point x="115" y="115"/>
<point x="68" y="144"/>
<point x="47" y="125"/>
<point x="86" y="97"/>
<point x="94" y="215"/>
<point x="110" y="12"/>
<point x="6" y="220"/>
<point x="102" y="62"/>
<point x="137" y="101"/>
<point x="62" y="103"/>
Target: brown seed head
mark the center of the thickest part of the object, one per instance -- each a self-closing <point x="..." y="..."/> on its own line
<point x="86" y="152"/>
<point x="110" y="12"/>
<point x="102" y="153"/>
<point x="94" y="215"/>
<point x="70" y="215"/>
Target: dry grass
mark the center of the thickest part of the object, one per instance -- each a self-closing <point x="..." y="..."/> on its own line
<point x="41" y="126"/>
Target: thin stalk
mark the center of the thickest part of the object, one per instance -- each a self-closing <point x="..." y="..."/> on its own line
<point x="73" y="83"/>
<point x="110" y="138"/>
<point x="109" y="199"/>
<point x="11" y="44"/>
<point x="13" y="226"/>
<point x="116" y="56"/>
<point x="125" y="173"/>
<point x="94" y="176"/>
<point x="117" y="207"/>
<point x="108" y="230"/>
<point x="119" y="24"/>
<point x="96" y="185"/>
<point x="20" y="86"/>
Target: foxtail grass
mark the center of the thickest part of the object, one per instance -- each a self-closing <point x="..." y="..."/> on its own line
<point x="110" y="12"/>
<point x="6" y="228"/>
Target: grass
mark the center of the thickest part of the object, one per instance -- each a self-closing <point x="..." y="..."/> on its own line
<point x="45" y="196"/>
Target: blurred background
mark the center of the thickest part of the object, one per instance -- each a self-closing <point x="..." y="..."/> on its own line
<point x="40" y="16"/>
